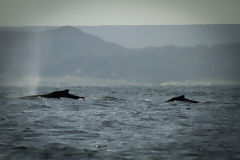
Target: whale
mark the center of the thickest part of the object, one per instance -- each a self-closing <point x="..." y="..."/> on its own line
<point x="56" y="94"/>
<point x="182" y="99"/>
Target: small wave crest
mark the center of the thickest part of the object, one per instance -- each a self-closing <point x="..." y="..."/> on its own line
<point x="49" y="151"/>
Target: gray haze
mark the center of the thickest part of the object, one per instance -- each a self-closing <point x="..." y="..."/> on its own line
<point x="68" y="55"/>
<point x="117" y="12"/>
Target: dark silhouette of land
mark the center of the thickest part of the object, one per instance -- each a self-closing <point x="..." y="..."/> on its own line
<point x="69" y="52"/>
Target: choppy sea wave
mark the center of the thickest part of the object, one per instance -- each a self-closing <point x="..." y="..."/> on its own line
<point x="127" y="122"/>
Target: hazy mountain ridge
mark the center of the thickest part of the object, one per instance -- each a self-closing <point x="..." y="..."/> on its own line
<point x="141" y="36"/>
<point x="67" y="51"/>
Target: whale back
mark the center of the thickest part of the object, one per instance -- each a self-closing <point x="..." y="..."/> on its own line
<point x="181" y="98"/>
<point x="57" y="94"/>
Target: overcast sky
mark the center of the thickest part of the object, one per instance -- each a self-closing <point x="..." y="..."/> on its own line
<point x="118" y="12"/>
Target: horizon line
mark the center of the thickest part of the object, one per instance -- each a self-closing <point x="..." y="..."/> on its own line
<point x="207" y="24"/>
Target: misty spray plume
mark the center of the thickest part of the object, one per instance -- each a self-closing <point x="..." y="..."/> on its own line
<point x="19" y="63"/>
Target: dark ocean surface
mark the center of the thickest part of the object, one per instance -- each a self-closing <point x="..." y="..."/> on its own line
<point x="127" y="122"/>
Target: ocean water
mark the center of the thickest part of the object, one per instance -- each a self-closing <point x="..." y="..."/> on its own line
<point x="124" y="122"/>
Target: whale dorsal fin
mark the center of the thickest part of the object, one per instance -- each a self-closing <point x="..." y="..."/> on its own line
<point x="61" y="92"/>
<point x="66" y="91"/>
<point x="182" y="96"/>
